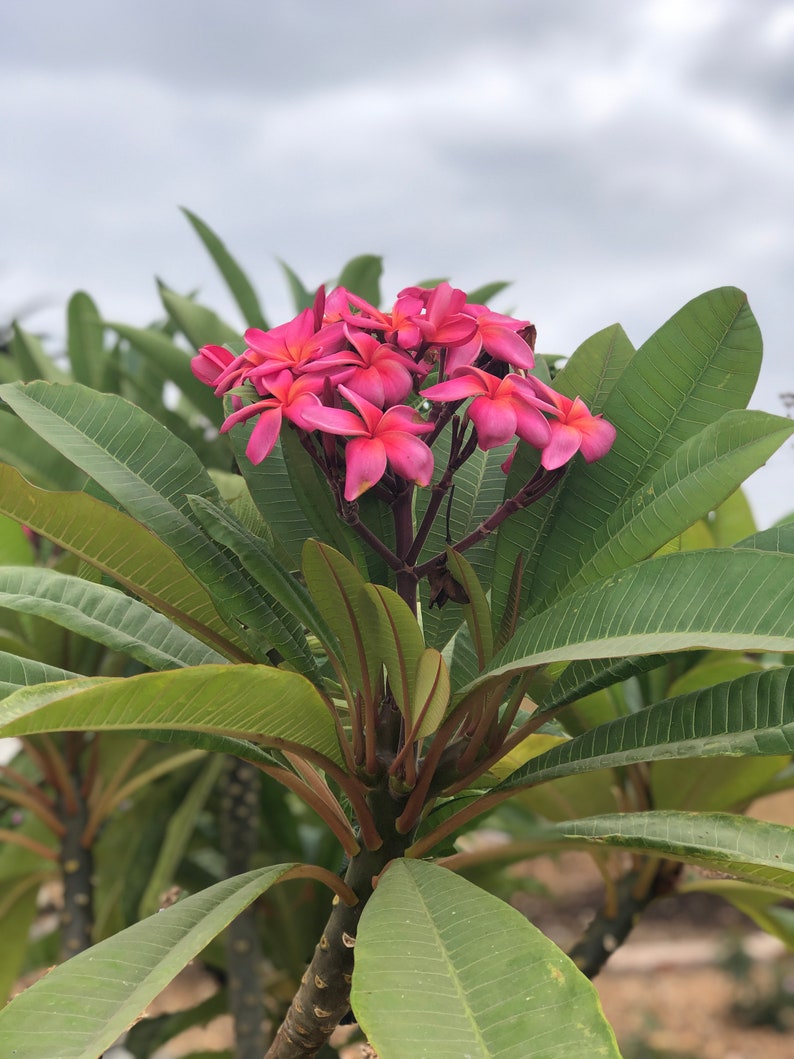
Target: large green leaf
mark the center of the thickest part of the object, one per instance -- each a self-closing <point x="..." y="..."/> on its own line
<point x="290" y="601"/>
<point x="121" y="547"/>
<point x="591" y="373"/>
<point x="38" y="461"/>
<point x="479" y="490"/>
<point x="18" y="900"/>
<point x="584" y="676"/>
<point x="31" y="357"/>
<point x="199" y="325"/>
<point x="102" y="614"/>
<point x="727" y="843"/>
<point x="337" y="589"/>
<point x="80" y="1008"/>
<point x="445" y="969"/>
<point x="236" y="280"/>
<point x="763" y="904"/>
<point x="17" y="672"/>
<point x="702" y="363"/>
<point x="751" y="715"/>
<point x="180" y="829"/>
<point x="84" y="341"/>
<point x="361" y="275"/>
<point x="269" y="706"/>
<point x="397" y="641"/>
<point x="271" y="491"/>
<point x="150" y="473"/>
<point x="724" y="842"/>
<point x="722" y="598"/>
<point x="696" y="479"/>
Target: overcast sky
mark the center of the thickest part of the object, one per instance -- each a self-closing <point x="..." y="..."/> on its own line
<point x="612" y="159"/>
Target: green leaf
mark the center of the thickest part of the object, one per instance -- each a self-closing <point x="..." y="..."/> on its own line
<point x="17" y="672"/>
<point x="702" y="363"/>
<point x="723" y="842"/>
<point x="148" y="471"/>
<point x="32" y="358"/>
<point x="483" y="294"/>
<point x="399" y="644"/>
<point x="15" y="548"/>
<point x="23" y="448"/>
<point x="171" y="362"/>
<point x="717" y="784"/>
<point x="751" y="715"/>
<point x="476" y="611"/>
<point x="431" y="693"/>
<point x="84" y="341"/>
<point x="179" y="831"/>
<point x="117" y="545"/>
<point x="269" y="706"/>
<point x="236" y="280"/>
<point x="361" y="275"/>
<point x="761" y="903"/>
<point x="444" y="969"/>
<point x="302" y="297"/>
<point x="17" y="913"/>
<point x="596" y="366"/>
<point x="199" y="325"/>
<point x="700" y="475"/>
<point x="102" y="614"/>
<point x="732" y="520"/>
<point x="591" y="373"/>
<point x="479" y="490"/>
<point x="336" y="587"/>
<point x="726" y="598"/>
<point x="270" y="488"/>
<point x="313" y="495"/>
<point x="285" y="594"/>
<point x="80" y="1008"/>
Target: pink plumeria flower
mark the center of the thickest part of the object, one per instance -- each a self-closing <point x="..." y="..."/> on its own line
<point x="445" y="323"/>
<point x="397" y="326"/>
<point x="377" y="438"/>
<point x="210" y="362"/>
<point x="574" y="429"/>
<point x="377" y="371"/>
<point x="288" y="398"/>
<point x="496" y="334"/>
<point x="501" y="410"/>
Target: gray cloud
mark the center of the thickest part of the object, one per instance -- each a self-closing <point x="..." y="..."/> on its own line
<point x="613" y="161"/>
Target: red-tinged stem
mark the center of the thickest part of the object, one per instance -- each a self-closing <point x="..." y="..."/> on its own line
<point x="103" y="801"/>
<point x="512" y="708"/>
<point x="314" y="780"/>
<point x="451" y="824"/>
<point x="518" y="736"/>
<point x="37" y="806"/>
<point x="418" y="796"/>
<point x="351" y="785"/>
<point x="371" y="735"/>
<point x="58" y="774"/>
<point x="26" y="784"/>
<point x="536" y="488"/>
<point x="295" y="784"/>
<point x="16" y="838"/>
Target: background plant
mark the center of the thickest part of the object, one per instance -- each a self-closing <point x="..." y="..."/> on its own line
<point x="567" y="598"/>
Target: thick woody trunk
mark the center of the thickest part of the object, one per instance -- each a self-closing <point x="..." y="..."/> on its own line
<point x="323" y="998"/>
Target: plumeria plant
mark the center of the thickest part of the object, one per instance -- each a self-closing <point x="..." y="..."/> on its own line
<point x="437" y="557"/>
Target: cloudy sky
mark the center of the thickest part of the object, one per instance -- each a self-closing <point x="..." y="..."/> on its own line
<point x="612" y="159"/>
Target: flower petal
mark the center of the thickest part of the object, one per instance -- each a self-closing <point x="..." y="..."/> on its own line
<point x="365" y="460"/>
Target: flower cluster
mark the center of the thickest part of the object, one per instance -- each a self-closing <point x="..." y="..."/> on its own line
<point x="356" y="376"/>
